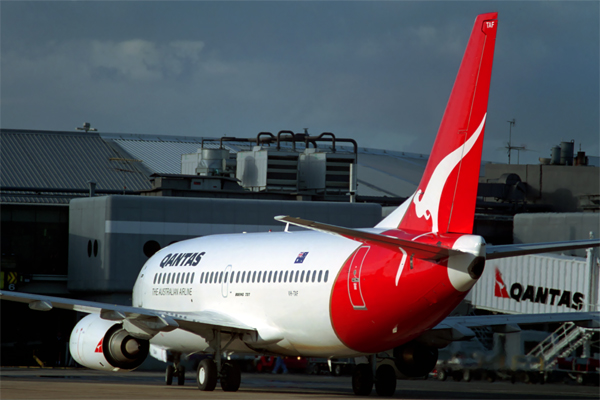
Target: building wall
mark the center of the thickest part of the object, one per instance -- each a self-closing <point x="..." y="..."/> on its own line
<point x="565" y="188"/>
<point x="111" y="237"/>
<point x="555" y="227"/>
<point x="34" y="240"/>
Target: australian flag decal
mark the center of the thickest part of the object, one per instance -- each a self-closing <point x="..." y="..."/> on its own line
<point x="301" y="257"/>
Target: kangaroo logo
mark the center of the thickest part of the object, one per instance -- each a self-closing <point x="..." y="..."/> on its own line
<point x="99" y="347"/>
<point x="499" y="286"/>
<point x="427" y="203"/>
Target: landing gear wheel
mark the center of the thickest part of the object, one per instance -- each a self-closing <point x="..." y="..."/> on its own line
<point x="442" y="375"/>
<point x="207" y="375"/>
<point x="181" y="375"/>
<point x="385" y="382"/>
<point x="362" y="380"/>
<point x="336" y="370"/>
<point x="230" y="377"/>
<point x="467" y="375"/>
<point x="169" y="375"/>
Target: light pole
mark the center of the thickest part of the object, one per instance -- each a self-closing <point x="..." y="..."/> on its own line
<point x="512" y="123"/>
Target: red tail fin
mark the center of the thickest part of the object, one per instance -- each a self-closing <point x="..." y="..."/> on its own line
<point x="445" y="198"/>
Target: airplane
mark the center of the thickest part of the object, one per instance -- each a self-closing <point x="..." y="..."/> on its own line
<point x="326" y="291"/>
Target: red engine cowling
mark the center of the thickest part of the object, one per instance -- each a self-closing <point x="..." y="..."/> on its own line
<point x="104" y="345"/>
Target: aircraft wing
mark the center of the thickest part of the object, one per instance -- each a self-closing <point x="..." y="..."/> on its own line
<point x="195" y="322"/>
<point x="460" y="328"/>
<point x="426" y="251"/>
<point x="511" y="250"/>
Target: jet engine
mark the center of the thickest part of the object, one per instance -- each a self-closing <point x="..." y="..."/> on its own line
<point x="104" y="345"/>
<point x="414" y="359"/>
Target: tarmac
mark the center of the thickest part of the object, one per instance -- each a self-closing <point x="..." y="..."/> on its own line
<point x="56" y="383"/>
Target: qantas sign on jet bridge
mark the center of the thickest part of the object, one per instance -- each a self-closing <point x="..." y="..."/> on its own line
<point x="534" y="284"/>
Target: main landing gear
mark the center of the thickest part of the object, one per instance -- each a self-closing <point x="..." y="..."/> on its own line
<point x="384" y="379"/>
<point x="209" y="370"/>
<point x="230" y="376"/>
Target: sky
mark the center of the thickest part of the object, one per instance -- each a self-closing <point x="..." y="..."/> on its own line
<point x="377" y="72"/>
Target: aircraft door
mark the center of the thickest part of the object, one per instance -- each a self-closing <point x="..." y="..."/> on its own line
<point x="354" y="282"/>
<point x="226" y="280"/>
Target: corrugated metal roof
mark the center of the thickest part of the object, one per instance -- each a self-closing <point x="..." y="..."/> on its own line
<point x="48" y="159"/>
<point x="66" y="160"/>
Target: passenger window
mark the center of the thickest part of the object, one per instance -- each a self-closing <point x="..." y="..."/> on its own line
<point x="264" y="276"/>
<point x="211" y="277"/>
<point x="326" y="276"/>
<point x="280" y="276"/>
<point x="274" y="277"/>
<point x="169" y="278"/>
<point x="320" y="275"/>
<point x="221" y="277"/>
<point x="226" y="276"/>
<point x="253" y="276"/>
<point x="176" y="277"/>
<point x="243" y="276"/>
<point x="202" y="277"/>
<point x="155" y="276"/>
<point x="270" y="275"/>
<point x="302" y="277"/>
<point x="314" y="275"/>
<point x="259" y="272"/>
<point x="192" y="278"/>
<point x="296" y="278"/>
<point x="231" y="279"/>
<point x="187" y="278"/>
<point x="237" y="278"/>
<point x="285" y="277"/>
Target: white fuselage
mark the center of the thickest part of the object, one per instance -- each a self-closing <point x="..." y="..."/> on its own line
<point x="289" y="306"/>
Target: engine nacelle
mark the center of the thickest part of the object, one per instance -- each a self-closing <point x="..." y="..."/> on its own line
<point x="414" y="359"/>
<point x="104" y="345"/>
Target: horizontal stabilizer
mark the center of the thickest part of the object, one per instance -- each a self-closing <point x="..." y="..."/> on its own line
<point x="426" y="251"/>
<point x="511" y="250"/>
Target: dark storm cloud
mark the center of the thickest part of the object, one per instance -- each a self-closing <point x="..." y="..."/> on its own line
<point x="379" y="72"/>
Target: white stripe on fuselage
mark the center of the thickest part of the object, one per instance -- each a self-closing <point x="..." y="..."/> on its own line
<point x="299" y="311"/>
